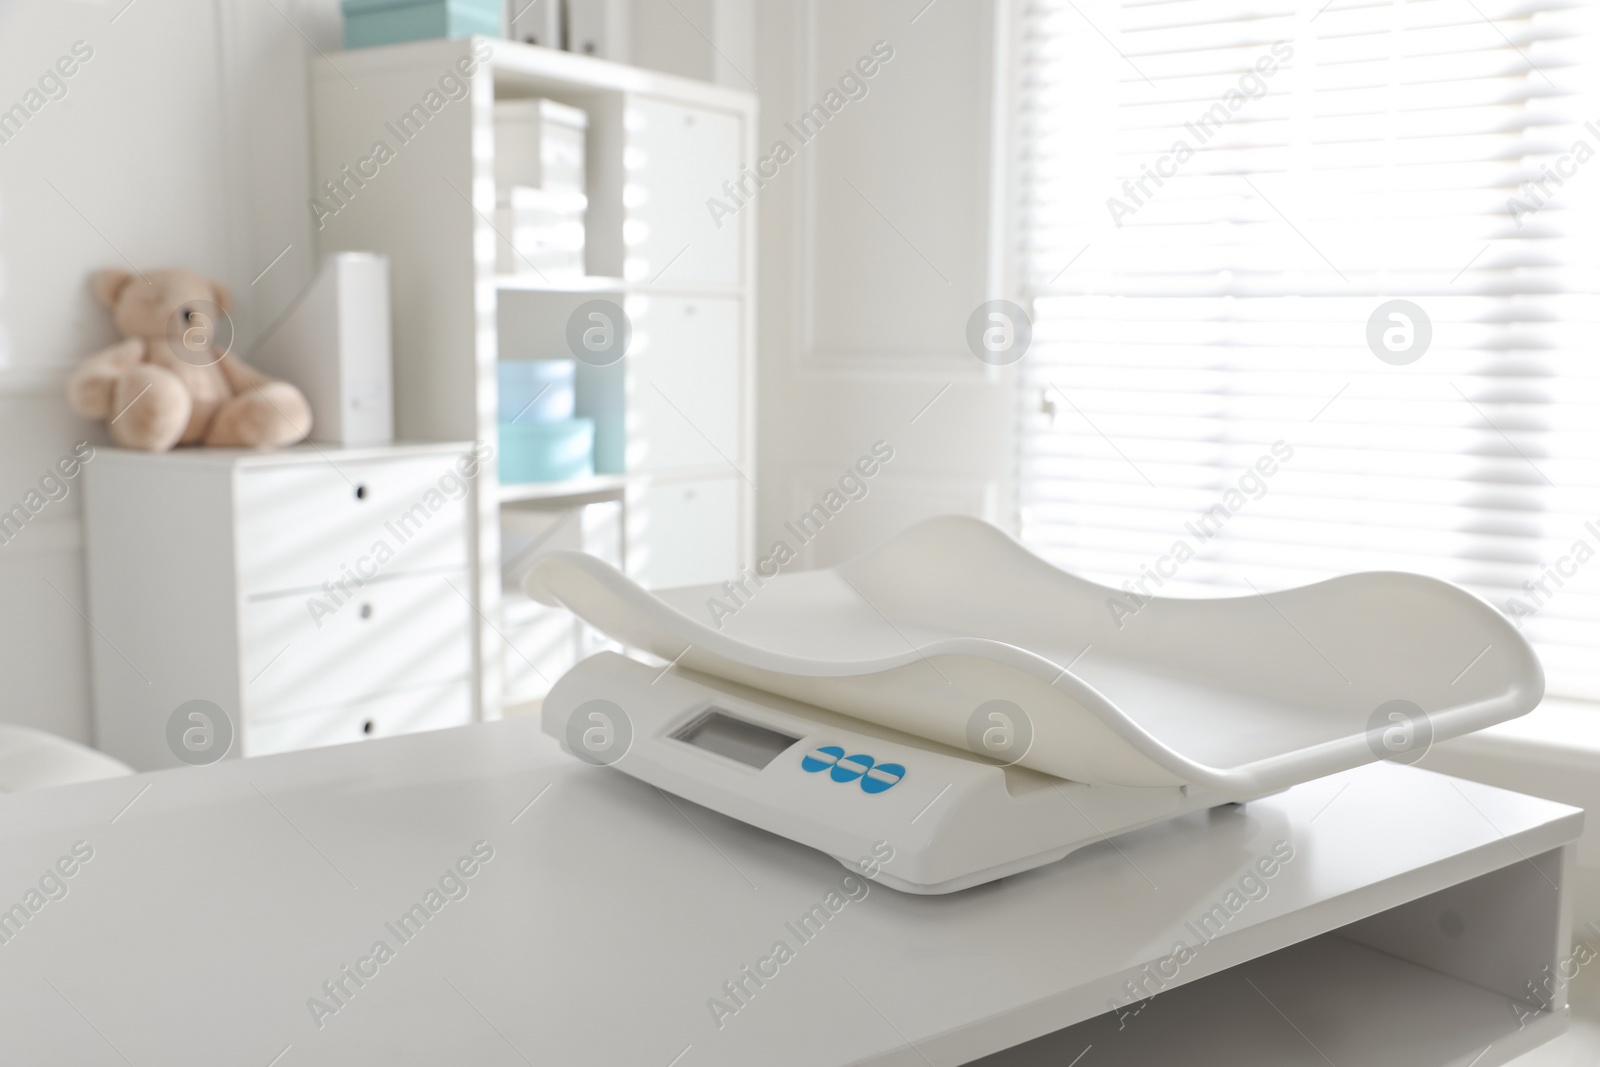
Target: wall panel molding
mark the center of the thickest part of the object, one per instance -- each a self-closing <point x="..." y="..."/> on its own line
<point x="43" y="536"/>
<point x="824" y="189"/>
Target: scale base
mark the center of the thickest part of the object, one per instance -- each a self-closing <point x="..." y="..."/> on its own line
<point x="1199" y="802"/>
<point x="967" y="881"/>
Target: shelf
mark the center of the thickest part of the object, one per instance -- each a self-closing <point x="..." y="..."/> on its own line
<point x="534" y="283"/>
<point x="1332" y="1001"/>
<point x="598" y="485"/>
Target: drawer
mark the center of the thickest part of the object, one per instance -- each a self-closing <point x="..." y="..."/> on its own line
<point x="302" y="525"/>
<point x="410" y="711"/>
<point x="678" y="156"/>
<point x="685" y="387"/>
<point x="301" y="651"/>
<point x="684" y="533"/>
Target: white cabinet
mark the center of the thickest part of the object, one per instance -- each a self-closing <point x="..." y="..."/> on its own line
<point x="687" y="383"/>
<point x="314" y="595"/>
<point x="684" y="533"/>
<point x="677" y="159"/>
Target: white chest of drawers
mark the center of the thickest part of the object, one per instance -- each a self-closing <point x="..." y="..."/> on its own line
<point x="316" y="596"/>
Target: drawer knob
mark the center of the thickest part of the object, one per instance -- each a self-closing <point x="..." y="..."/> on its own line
<point x="366" y="611"/>
<point x="366" y="727"/>
<point x="361" y="492"/>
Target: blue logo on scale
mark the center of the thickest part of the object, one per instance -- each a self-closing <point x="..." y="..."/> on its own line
<point x="874" y="777"/>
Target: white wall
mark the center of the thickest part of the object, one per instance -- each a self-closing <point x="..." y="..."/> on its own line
<point x="187" y="112"/>
<point x="712" y="40"/>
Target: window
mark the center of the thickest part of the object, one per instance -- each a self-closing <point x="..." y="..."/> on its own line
<point x="1221" y="204"/>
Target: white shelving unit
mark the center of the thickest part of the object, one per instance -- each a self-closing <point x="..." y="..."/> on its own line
<point x="675" y="433"/>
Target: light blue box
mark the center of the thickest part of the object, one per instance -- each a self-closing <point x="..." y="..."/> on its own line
<point x="368" y="23"/>
<point x="546" y="451"/>
<point x="537" y="390"/>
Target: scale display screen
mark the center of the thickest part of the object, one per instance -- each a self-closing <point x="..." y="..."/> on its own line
<point x="745" y="742"/>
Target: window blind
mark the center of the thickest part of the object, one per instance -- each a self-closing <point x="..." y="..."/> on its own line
<point x="1218" y="202"/>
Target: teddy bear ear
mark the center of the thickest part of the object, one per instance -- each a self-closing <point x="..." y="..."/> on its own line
<point x="108" y="285"/>
<point x="224" y="298"/>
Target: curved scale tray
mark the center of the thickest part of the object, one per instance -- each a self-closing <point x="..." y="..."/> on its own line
<point x="1242" y="696"/>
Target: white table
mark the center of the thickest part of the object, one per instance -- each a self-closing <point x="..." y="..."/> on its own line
<point x="220" y="899"/>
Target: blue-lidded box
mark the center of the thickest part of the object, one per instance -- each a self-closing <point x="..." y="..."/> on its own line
<point x="546" y="451"/>
<point x="537" y="390"/>
<point x="376" y="22"/>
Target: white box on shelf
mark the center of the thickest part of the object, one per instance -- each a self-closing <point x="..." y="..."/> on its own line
<point x="598" y="28"/>
<point x="540" y="143"/>
<point x="535" y="22"/>
<point x="335" y="345"/>
<point x="541" y="231"/>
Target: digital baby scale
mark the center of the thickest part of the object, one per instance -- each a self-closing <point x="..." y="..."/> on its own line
<point x="982" y="712"/>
